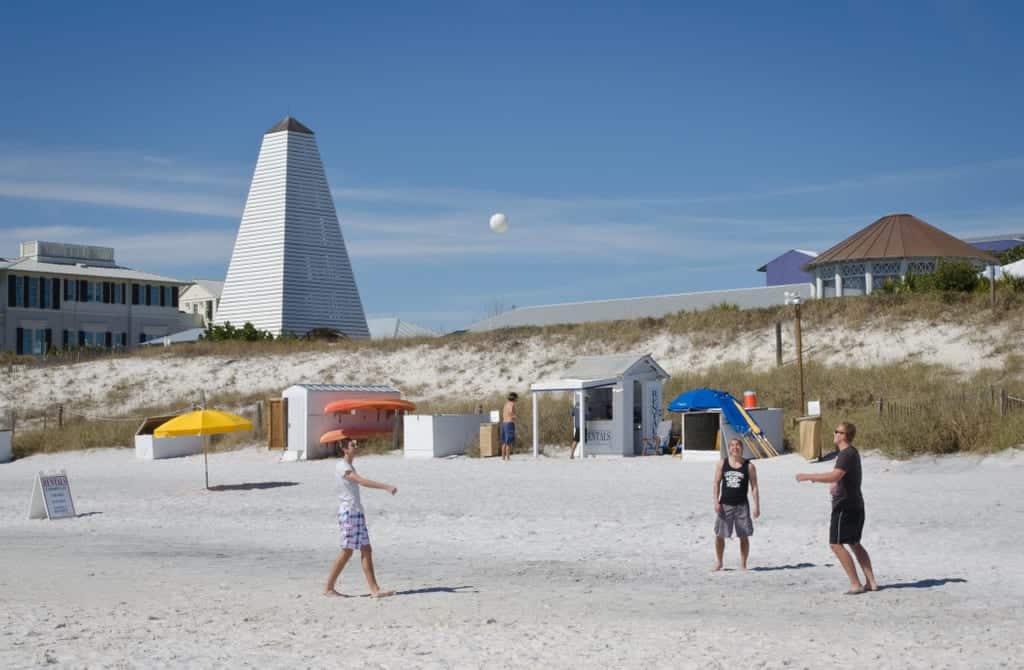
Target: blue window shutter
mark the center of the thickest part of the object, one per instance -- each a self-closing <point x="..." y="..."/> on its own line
<point x="55" y="289"/>
<point x="19" y="345"/>
<point x="12" y="291"/>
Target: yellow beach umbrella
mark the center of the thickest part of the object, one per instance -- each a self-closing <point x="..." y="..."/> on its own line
<point x="203" y="422"/>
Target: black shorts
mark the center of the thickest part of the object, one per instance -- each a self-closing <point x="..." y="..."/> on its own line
<point x="846" y="526"/>
<point x="576" y="432"/>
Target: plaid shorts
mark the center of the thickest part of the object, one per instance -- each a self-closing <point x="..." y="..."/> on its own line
<point x="354" y="534"/>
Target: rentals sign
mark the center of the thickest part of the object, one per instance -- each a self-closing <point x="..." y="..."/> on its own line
<point x="51" y="497"/>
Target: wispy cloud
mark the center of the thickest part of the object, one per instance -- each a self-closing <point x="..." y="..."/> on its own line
<point x="110" y="196"/>
<point x="406" y="223"/>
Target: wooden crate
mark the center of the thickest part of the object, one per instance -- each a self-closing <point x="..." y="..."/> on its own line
<point x="490" y="442"/>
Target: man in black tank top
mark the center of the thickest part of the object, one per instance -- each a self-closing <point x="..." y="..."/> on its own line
<point x="734" y="477"/>
<point x="847" y="522"/>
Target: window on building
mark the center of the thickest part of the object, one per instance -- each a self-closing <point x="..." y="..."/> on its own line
<point x="69" y="290"/>
<point x="33" y="292"/>
<point x="154" y="295"/>
<point x="854" y="285"/>
<point x="34" y="341"/>
<point x="92" y="338"/>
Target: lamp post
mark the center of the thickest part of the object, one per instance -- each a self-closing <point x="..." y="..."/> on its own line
<point x="794" y="299"/>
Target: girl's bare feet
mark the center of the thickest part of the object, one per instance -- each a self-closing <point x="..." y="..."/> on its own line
<point x="382" y="594"/>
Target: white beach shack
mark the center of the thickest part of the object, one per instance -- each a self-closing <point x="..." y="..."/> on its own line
<point x="622" y="400"/>
<point x="320" y="415"/>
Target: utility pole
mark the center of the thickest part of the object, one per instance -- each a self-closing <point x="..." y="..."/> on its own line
<point x="794" y="299"/>
<point x="992" y="285"/>
<point x="800" y="357"/>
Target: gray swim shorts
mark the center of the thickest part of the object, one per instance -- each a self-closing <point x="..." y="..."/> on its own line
<point x="734" y="517"/>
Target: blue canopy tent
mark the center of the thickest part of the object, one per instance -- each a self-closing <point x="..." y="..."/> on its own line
<point x="732" y="410"/>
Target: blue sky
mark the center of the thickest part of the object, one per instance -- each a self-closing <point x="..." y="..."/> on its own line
<point x="637" y="149"/>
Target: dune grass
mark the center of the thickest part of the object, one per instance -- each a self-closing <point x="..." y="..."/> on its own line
<point x="942" y="421"/>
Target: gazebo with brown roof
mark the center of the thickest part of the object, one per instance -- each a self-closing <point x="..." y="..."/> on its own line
<point x="889" y="248"/>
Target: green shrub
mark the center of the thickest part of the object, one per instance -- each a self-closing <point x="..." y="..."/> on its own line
<point x="955" y="275"/>
<point x="247" y="333"/>
<point x="1011" y="255"/>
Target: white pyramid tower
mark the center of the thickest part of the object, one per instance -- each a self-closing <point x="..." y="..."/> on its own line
<point x="290" y="270"/>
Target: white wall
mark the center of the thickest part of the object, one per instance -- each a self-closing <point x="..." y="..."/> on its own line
<point x="296" y="418"/>
<point x="636" y="308"/>
<point x="440" y="435"/>
<point x="152" y="448"/>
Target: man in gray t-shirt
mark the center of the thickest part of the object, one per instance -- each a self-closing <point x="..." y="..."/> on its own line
<point x="847" y="521"/>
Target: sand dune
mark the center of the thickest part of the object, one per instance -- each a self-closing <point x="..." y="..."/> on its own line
<point x="424" y="372"/>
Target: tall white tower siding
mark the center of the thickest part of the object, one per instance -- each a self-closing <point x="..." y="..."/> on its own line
<point x="290" y="270"/>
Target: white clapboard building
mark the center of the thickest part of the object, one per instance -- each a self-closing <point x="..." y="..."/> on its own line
<point x="290" y="271"/>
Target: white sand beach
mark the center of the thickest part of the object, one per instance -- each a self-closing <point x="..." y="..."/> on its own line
<point x="533" y="563"/>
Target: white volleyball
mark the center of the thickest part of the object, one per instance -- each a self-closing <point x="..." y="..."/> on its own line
<point x="499" y="223"/>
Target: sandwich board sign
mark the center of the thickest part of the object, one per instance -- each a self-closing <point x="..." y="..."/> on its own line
<point x="51" y="497"/>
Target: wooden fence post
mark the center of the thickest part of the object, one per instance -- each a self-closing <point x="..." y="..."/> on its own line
<point x="259" y="418"/>
<point x="60" y="416"/>
<point x="778" y="345"/>
<point x="879" y="407"/>
<point x="1002" y="402"/>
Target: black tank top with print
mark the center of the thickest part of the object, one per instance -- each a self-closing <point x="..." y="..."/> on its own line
<point x="735" y="483"/>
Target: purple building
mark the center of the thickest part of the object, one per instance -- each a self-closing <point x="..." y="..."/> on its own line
<point x="995" y="244"/>
<point x="786" y="269"/>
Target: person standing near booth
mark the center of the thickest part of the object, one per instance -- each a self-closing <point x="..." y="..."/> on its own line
<point x="508" y="426"/>
<point x="735" y="477"/>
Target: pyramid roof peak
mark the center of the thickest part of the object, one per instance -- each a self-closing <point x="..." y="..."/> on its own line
<point x="291" y="125"/>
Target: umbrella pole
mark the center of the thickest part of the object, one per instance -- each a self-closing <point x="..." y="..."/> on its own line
<point x="206" y="464"/>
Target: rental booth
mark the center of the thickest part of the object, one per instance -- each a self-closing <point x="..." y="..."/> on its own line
<point x="321" y="415"/>
<point x="621" y="398"/>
